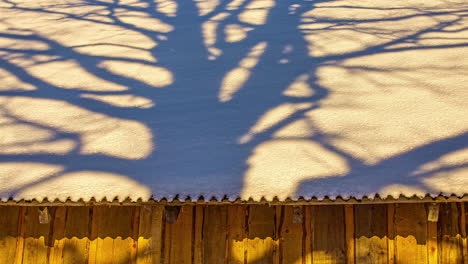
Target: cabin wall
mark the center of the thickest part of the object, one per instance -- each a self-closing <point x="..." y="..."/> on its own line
<point x="372" y="233"/>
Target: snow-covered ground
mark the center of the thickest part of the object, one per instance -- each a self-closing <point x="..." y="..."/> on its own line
<point x="240" y="98"/>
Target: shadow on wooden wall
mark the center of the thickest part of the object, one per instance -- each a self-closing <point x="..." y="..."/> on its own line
<point x="373" y="233"/>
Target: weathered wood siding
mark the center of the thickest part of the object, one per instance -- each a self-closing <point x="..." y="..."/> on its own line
<point x="371" y="233"/>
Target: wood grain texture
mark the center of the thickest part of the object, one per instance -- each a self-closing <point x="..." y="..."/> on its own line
<point x="36" y="236"/>
<point x="199" y="218"/>
<point x="328" y="243"/>
<point x="290" y="238"/>
<point x="391" y="233"/>
<point x="9" y="220"/>
<point x="214" y="234"/>
<point x="20" y="239"/>
<point x="463" y="232"/>
<point x="261" y="234"/>
<point x="178" y="238"/>
<point x="237" y="234"/>
<point x="411" y="233"/>
<point x="76" y="241"/>
<point x="371" y="234"/>
<point x="150" y="231"/>
<point x="307" y="227"/>
<point x="57" y="239"/>
<point x="349" y="234"/>
<point x="450" y="243"/>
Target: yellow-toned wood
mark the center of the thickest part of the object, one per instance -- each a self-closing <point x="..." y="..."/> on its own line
<point x="371" y="234"/>
<point x="20" y="239"/>
<point x="349" y="233"/>
<point x="178" y="238"/>
<point x="237" y="234"/>
<point x="36" y="236"/>
<point x="214" y="234"/>
<point x="450" y="234"/>
<point x="58" y="234"/>
<point x="150" y="234"/>
<point x="391" y="233"/>
<point x="261" y="234"/>
<point x="119" y="227"/>
<point x="307" y="255"/>
<point x="93" y="236"/>
<point x="329" y="235"/>
<point x="278" y="221"/>
<point x="75" y="247"/>
<point x="290" y="238"/>
<point x="463" y="232"/>
<point x="9" y="219"/>
<point x="432" y="243"/>
<point x="134" y="229"/>
<point x="104" y="240"/>
<point x="198" y="235"/>
<point x="411" y="233"/>
<point x="123" y="234"/>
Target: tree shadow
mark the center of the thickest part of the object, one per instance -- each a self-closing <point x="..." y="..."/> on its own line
<point x="170" y="99"/>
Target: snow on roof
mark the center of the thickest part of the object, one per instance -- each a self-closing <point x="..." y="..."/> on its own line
<point x="233" y="99"/>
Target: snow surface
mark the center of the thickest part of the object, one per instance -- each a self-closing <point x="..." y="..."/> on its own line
<point x="240" y="98"/>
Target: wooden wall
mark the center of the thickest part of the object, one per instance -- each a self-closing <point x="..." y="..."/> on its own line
<point x="377" y="233"/>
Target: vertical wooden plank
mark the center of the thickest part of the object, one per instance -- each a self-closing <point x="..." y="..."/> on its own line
<point x="123" y="219"/>
<point x="463" y="232"/>
<point x="58" y="235"/>
<point x="449" y="235"/>
<point x="411" y="233"/>
<point x="237" y="234"/>
<point x="198" y="234"/>
<point x="114" y="233"/>
<point x="291" y="235"/>
<point x="20" y="238"/>
<point x="105" y="242"/>
<point x="75" y="247"/>
<point x="178" y="238"/>
<point x="371" y="233"/>
<point x="307" y="252"/>
<point x="432" y="243"/>
<point x="36" y="235"/>
<point x="278" y="223"/>
<point x="93" y="235"/>
<point x="9" y="220"/>
<point x="150" y="234"/>
<point x="120" y="224"/>
<point x="349" y="233"/>
<point x="214" y="234"/>
<point x="261" y="233"/>
<point x="329" y="234"/>
<point x="391" y="232"/>
<point x="134" y="229"/>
